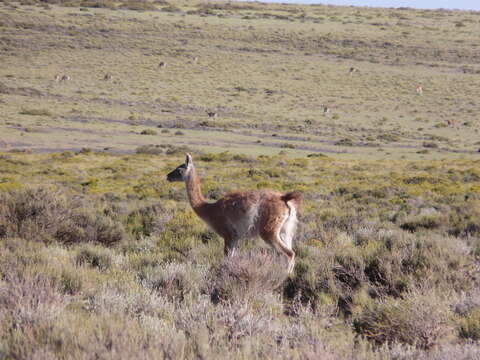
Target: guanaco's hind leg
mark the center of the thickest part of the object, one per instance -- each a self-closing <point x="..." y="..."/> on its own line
<point x="229" y="247"/>
<point x="273" y="238"/>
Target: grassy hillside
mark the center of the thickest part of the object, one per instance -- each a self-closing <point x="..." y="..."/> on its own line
<point x="267" y="70"/>
<point x="101" y="257"/>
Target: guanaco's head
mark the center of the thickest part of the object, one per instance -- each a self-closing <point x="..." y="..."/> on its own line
<point x="181" y="172"/>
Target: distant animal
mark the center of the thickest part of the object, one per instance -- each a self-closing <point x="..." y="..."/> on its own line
<point x="419" y="89"/>
<point x="326" y="110"/>
<point x="453" y="123"/>
<point x="212" y="114"/>
<point x="65" y="78"/>
<point x="352" y="70"/>
<point x="162" y="64"/>
<point x="108" y="77"/>
<point x="57" y="78"/>
<point x="272" y="215"/>
<point x="195" y="59"/>
<point x="6" y="146"/>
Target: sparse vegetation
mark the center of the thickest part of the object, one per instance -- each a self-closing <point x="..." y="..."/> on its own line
<point x="100" y="257"/>
<point x="106" y="246"/>
<point x="242" y="82"/>
<point x="148" y="132"/>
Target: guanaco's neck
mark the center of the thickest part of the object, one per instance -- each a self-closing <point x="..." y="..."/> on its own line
<point x="194" y="191"/>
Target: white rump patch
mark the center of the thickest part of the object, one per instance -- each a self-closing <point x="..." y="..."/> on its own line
<point x="289" y="226"/>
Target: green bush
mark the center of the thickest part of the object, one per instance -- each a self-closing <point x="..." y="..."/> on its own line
<point x="36" y="112"/>
<point x="469" y="326"/>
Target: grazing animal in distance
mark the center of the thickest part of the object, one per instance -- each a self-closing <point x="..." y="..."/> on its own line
<point x="57" y="78"/>
<point x="453" y="123"/>
<point x="195" y="59"/>
<point x="212" y="114"/>
<point x="419" y="89"/>
<point x="65" y="78"/>
<point x="352" y="70"/>
<point x="272" y="215"/>
<point x="108" y="77"/>
<point x="162" y="64"/>
<point x="326" y="110"/>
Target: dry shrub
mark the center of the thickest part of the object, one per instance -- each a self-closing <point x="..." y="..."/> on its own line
<point x="45" y="215"/>
<point x="428" y="221"/>
<point x="26" y="299"/>
<point x="176" y="280"/>
<point x="212" y="330"/>
<point x="138" y="6"/>
<point x="371" y="263"/>
<point x="418" y="319"/>
<point x="94" y="256"/>
<point x="28" y="305"/>
<point x="247" y="275"/>
<point x="465" y="218"/>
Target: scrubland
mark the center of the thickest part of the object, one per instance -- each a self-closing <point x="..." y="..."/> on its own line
<point x="101" y="257"/>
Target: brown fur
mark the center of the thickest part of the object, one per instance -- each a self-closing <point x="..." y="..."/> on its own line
<point x="453" y="123"/>
<point x="246" y="214"/>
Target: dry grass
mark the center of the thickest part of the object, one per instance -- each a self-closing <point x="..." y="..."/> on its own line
<point x="296" y="62"/>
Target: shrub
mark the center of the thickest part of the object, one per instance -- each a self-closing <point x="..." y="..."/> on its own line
<point x="344" y="142"/>
<point x="469" y="326"/>
<point x="36" y="112"/>
<point x="464" y="219"/>
<point x="148" y="220"/>
<point x="46" y="215"/>
<point x="419" y="319"/>
<point x="138" y="5"/>
<point x="150" y="149"/>
<point x="148" y="132"/>
<point x="27" y="299"/>
<point x="247" y="275"/>
<point x="176" y="281"/>
<point x="70" y="282"/>
<point x="94" y="256"/>
<point x="431" y="145"/>
<point x="388" y="137"/>
<point x="423" y="221"/>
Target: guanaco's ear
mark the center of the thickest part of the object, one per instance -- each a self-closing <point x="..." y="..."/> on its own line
<point x="188" y="160"/>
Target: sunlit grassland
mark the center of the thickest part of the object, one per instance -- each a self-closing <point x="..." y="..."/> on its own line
<point x="112" y="261"/>
<point x="267" y="68"/>
<point x="101" y="257"/>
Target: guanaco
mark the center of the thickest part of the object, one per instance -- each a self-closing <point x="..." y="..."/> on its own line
<point x="272" y="215"/>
